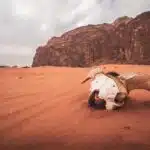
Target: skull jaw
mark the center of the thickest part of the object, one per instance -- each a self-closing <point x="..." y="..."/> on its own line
<point x="120" y="101"/>
<point x="113" y="106"/>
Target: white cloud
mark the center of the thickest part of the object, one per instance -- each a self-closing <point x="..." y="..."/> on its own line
<point x="30" y="23"/>
<point x="43" y="27"/>
<point x="19" y="49"/>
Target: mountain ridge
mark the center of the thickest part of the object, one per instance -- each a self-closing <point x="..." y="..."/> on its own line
<point x="126" y="41"/>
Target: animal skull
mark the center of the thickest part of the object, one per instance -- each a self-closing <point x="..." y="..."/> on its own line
<point x="107" y="87"/>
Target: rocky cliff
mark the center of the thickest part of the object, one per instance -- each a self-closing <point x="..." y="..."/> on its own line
<point x="126" y="40"/>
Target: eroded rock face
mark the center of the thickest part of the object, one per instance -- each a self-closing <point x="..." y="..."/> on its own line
<point x="126" y="40"/>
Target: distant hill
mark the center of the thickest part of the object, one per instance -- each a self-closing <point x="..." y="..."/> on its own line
<point x="126" y="40"/>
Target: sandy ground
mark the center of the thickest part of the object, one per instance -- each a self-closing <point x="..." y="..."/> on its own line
<point x="45" y="108"/>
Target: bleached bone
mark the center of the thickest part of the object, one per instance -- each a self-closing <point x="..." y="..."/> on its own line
<point x="139" y="81"/>
<point x="92" y="74"/>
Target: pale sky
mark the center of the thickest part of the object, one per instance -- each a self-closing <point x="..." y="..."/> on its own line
<point x="27" y="24"/>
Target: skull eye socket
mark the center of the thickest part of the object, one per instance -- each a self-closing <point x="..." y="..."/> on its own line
<point x="120" y="97"/>
<point x="95" y="81"/>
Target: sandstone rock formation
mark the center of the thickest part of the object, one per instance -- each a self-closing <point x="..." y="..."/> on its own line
<point x="126" y="40"/>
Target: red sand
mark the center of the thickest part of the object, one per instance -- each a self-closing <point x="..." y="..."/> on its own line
<point x="45" y="108"/>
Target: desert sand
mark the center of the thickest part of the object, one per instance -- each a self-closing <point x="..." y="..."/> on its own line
<point x="45" y="108"/>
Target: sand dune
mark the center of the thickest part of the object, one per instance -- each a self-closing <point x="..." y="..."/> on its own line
<point x="46" y="108"/>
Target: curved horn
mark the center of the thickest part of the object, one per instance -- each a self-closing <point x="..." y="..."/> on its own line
<point x="92" y="74"/>
<point x="85" y="80"/>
